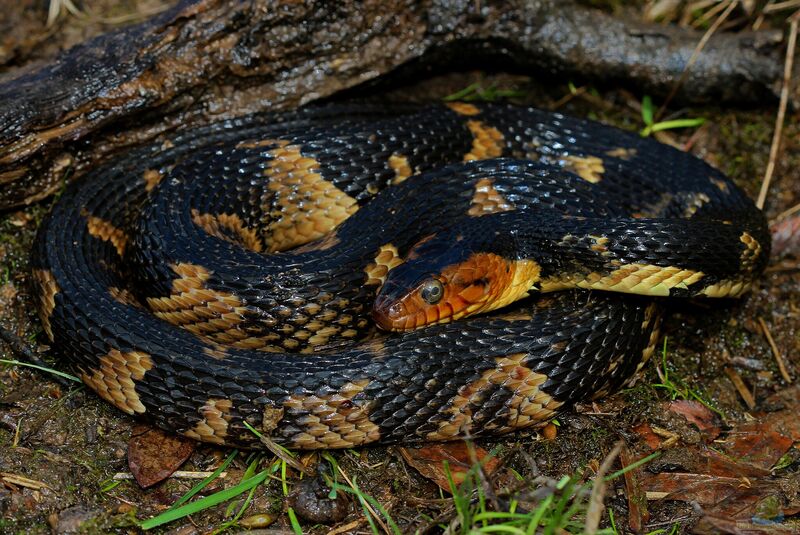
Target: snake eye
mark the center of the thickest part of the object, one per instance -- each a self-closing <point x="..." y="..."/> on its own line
<point x="432" y="291"/>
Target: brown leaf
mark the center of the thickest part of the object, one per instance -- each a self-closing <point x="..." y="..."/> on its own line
<point x="429" y="461"/>
<point x="757" y="444"/>
<point x="154" y="455"/>
<point x="704" y="489"/>
<point x="699" y="415"/>
<point x="646" y="433"/>
<point x="733" y="481"/>
<point x="785" y="421"/>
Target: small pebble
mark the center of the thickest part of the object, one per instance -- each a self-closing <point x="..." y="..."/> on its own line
<point x="260" y="520"/>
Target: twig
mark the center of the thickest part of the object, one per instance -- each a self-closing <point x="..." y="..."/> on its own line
<point x="22" y="481"/>
<point x="138" y="15"/>
<point x="594" y="513"/>
<point x="773" y="8"/>
<point x="705" y="17"/>
<point x="776" y="137"/>
<point x="786" y="213"/>
<point x="347" y="528"/>
<point x="57" y="6"/>
<point x="569" y="96"/>
<point x="695" y="54"/>
<point x="778" y="357"/>
<point x="369" y="508"/>
<point x="737" y="381"/>
<point x="284" y="456"/>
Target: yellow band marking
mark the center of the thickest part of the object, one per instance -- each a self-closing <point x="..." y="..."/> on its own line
<point x="727" y="288"/>
<point x="696" y="201"/>
<point x="216" y="225"/>
<point x="641" y="279"/>
<point x="151" y="177"/>
<point x="104" y="230"/>
<point x="720" y="184"/>
<point x="487" y="200"/>
<point x="124" y="296"/>
<point x="214" y="425"/>
<point x="751" y="253"/>
<point x="463" y="108"/>
<point x="387" y="258"/>
<point x="527" y="406"/>
<point x="487" y="142"/>
<point x="207" y="313"/>
<point x="599" y="244"/>
<point x="114" y="380"/>
<point x="336" y="420"/>
<point x="402" y="170"/>
<point x="305" y="206"/>
<point x="589" y="168"/>
<point x="47" y="288"/>
<point x="622" y="153"/>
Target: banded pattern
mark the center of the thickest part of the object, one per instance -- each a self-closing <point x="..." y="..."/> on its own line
<point x="213" y="333"/>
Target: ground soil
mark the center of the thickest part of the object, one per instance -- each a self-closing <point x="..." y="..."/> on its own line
<point x="73" y="443"/>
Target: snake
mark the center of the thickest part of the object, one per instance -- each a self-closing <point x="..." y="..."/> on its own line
<point x="358" y="273"/>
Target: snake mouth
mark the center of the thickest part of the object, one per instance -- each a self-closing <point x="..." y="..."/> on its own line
<point x="395" y="310"/>
<point x="401" y="307"/>
<point x="482" y="283"/>
<point x="390" y="315"/>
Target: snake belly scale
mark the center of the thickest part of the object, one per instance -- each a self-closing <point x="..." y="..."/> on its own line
<point x="226" y="276"/>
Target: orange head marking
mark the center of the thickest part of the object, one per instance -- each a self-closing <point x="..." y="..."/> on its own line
<point x="443" y="280"/>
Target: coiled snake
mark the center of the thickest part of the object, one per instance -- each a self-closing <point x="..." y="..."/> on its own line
<point x="152" y="278"/>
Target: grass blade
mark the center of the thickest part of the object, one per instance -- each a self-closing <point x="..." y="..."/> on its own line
<point x="204" y="503"/>
<point x="200" y="486"/>
<point x="41" y="368"/>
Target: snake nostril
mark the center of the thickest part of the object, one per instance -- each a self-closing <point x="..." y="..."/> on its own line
<point x="395" y="310"/>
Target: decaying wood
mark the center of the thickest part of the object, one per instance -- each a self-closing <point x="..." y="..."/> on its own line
<point x="211" y="59"/>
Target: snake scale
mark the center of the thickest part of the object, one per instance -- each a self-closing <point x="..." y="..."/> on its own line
<point x="227" y="275"/>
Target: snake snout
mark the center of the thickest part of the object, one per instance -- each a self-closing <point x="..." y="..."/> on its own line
<point x="389" y="313"/>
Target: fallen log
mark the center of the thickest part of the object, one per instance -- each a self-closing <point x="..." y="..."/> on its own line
<point x="207" y="60"/>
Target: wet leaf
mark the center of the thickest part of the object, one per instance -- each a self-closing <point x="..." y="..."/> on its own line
<point x="154" y="455"/>
<point x="732" y="481"/>
<point x="646" y="433"/>
<point x="757" y="444"/>
<point x="429" y="461"/>
<point x="698" y="414"/>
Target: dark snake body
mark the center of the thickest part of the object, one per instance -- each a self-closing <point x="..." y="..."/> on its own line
<point x="197" y="260"/>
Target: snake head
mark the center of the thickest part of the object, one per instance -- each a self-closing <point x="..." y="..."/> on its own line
<point x="446" y="277"/>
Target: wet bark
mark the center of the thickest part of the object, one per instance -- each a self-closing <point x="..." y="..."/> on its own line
<point x="206" y="60"/>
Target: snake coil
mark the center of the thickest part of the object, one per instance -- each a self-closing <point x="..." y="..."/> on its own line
<point x="153" y="279"/>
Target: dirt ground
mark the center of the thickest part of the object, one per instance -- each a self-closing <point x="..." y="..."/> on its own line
<point x="71" y="444"/>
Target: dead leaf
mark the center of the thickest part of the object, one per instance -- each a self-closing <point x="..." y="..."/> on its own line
<point x="757" y="444"/>
<point x="733" y="481"/>
<point x="697" y="414"/>
<point x="646" y="433"/>
<point x="154" y="455"/>
<point x="784" y="420"/>
<point x="429" y="461"/>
